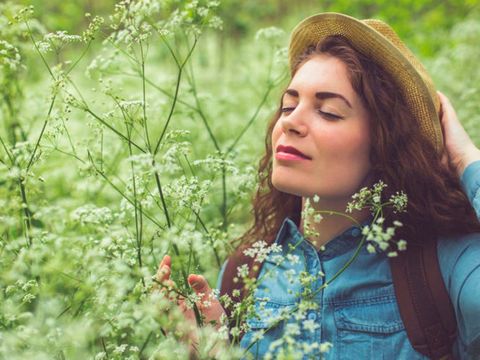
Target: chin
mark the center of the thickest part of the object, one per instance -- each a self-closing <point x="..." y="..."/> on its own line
<point x="288" y="188"/>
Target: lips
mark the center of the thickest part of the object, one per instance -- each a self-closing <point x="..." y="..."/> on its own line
<point x="292" y="150"/>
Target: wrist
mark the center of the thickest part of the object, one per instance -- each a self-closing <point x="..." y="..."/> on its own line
<point x="471" y="155"/>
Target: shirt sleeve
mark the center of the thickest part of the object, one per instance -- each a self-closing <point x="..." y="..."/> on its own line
<point x="471" y="184"/>
<point x="459" y="260"/>
<point x="460" y="265"/>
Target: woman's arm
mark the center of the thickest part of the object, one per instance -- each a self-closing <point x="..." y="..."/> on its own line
<point x="461" y="152"/>
<point x="459" y="147"/>
<point x="459" y="258"/>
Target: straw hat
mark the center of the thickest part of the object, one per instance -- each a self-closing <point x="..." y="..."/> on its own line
<point x="377" y="40"/>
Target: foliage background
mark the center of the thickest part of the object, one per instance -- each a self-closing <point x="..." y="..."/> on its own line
<point x="82" y="221"/>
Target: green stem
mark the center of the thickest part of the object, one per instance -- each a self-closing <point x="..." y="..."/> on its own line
<point x="177" y="87"/>
<point x="79" y="58"/>
<point x="252" y="119"/>
<point x="102" y="174"/>
<point x="41" y="132"/>
<point x="162" y="197"/>
<point x="144" y="105"/>
<point x="172" y="108"/>
<point x="224" y="199"/>
<point x="199" y="110"/>
<point x="331" y="212"/>
<point x="6" y="150"/>
<point x="113" y="129"/>
<point x="38" y="51"/>
<point x="26" y="212"/>
<point x="217" y="257"/>
<point x="138" y="209"/>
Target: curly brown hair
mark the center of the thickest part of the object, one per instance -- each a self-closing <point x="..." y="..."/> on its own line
<point x="401" y="156"/>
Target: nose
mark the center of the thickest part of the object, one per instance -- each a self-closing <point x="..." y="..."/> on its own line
<point x="294" y="124"/>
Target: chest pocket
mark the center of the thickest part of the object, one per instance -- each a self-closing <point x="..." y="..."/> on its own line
<point x="265" y="328"/>
<point x="371" y="329"/>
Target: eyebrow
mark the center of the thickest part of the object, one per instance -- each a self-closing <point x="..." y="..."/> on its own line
<point x="321" y="95"/>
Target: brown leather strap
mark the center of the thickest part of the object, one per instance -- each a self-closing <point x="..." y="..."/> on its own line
<point x="424" y="303"/>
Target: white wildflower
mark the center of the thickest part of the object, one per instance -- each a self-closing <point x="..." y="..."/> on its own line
<point x="310" y="325"/>
<point x="402" y="245"/>
<point x="371" y="248"/>
<point x="325" y="347"/>
<point x="294" y="259"/>
<point x="269" y="34"/>
<point x="242" y="271"/>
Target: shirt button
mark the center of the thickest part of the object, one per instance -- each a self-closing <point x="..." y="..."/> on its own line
<point x="312" y="316"/>
<point x="356" y="232"/>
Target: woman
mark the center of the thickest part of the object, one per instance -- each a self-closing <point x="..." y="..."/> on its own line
<point x="360" y="108"/>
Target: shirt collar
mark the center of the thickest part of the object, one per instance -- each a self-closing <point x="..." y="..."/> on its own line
<point x="340" y="244"/>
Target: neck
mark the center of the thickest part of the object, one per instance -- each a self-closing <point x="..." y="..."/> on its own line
<point x="331" y="225"/>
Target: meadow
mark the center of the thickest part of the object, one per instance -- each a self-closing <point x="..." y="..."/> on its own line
<point x="133" y="131"/>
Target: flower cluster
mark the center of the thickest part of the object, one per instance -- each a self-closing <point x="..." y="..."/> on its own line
<point x="310" y="217"/>
<point x="10" y="59"/>
<point x="56" y="40"/>
<point x="373" y="198"/>
<point x="93" y="27"/>
<point x="130" y="23"/>
<point x="90" y="214"/>
<point x="214" y="164"/>
<point x="270" y="34"/>
<point x="24" y="14"/>
<point x="189" y="192"/>
<point x="260" y="250"/>
<point x="381" y="239"/>
<point x="195" y="15"/>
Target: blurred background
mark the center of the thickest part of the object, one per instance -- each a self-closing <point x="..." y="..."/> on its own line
<point x="133" y="129"/>
<point x="423" y="24"/>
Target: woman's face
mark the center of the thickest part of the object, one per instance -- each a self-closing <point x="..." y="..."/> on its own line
<point x="323" y="118"/>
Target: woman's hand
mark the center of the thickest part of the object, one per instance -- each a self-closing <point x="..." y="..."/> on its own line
<point x="208" y="305"/>
<point x="459" y="148"/>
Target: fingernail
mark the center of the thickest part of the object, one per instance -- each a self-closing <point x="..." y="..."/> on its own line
<point x="197" y="281"/>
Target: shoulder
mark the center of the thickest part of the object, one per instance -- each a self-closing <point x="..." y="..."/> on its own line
<point x="458" y="256"/>
<point x="457" y="253"/>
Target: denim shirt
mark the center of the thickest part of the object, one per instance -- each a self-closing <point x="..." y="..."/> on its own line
<point x="358" y="312"/>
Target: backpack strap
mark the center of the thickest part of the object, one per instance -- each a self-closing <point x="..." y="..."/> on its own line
<point x="423" y="300"/>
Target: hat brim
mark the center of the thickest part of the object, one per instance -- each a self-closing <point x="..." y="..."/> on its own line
<point x="409" y="74"/>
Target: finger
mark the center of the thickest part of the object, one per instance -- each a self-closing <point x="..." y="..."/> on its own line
<point x="447" y="110"/>
<point x="164" y="269"/>
<point x="445" y="160"/>
<point x="166" y="261"/>
<point x="200" y="285"/>
<point x="163" y="274"/>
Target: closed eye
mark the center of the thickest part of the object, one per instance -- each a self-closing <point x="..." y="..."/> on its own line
<point x="330" y="115"/>
<point x="287" y="109"/>
<point x="323" y="113"/>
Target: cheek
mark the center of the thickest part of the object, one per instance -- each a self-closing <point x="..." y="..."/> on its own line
<point x="347" y="141"/>
<point x="276" y="132"/>
<point x="345" y="153"/>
